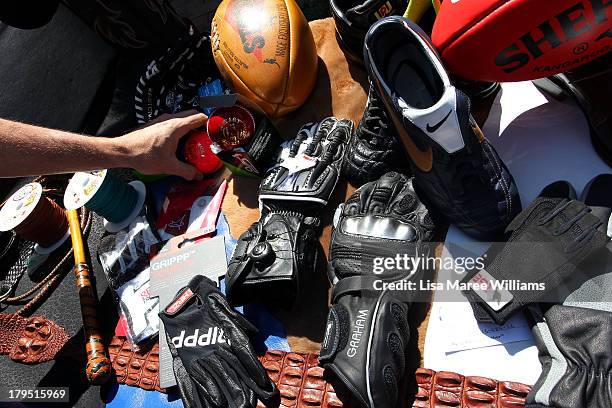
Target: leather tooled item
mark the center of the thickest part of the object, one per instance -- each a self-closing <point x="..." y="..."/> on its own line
<point x="30" y="340"/>
<point x="299" y="379"/>
<point x="301" y="383"/>
<point x="135" y="367"/>
<point x="447" y="389"/>
<point x="298" y="376"/>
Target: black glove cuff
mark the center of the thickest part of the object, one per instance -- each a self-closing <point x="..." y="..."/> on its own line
<point x="353" y="284"/>
<point x="273" y="290"/>
<point x="270" y="257"/>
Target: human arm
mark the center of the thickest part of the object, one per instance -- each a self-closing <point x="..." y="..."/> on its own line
<point x="28" y="150"/>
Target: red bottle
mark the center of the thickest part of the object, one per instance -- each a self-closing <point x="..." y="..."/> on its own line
<point x="198" y="153"/>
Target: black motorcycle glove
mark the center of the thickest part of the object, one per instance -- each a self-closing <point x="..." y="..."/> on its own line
<point x="282" y="246"/>
<point x="214" y="363"/>
<point x="547" y="243"/>
<point x="307" y="168"/>
<point x="574" y="339"/>
<point x="367" y="332"/>
<point x="271" y="255"/>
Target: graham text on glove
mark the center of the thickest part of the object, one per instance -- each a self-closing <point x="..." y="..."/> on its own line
<point x="356" y="333"/>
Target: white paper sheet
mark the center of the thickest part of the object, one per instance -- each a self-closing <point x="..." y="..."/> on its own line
<point x="541" y="140"/>
<point x="477" y="335"/>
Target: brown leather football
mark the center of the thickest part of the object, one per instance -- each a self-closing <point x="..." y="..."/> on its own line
<point x="266" y="51"/>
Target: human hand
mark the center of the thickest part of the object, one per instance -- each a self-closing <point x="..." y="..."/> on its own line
<point x="152" y="149"/>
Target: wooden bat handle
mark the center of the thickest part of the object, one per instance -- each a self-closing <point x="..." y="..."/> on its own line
<point x="98" y="367"/>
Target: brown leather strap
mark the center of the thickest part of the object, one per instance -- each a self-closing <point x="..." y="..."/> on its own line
<point x="447" y="389"/>
<point x="30" y="340"/>
<point x="299" y="379"/>
<point x="135" y="367"/>
<point x="302" y="384"/>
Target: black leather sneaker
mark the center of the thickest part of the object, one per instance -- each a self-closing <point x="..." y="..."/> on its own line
<point x="591" y="86"/>
<point x="597" y="194"/>
<point x="353" y="18"/>
<point x="374" y="149"/>
<point x="458" y="172"/>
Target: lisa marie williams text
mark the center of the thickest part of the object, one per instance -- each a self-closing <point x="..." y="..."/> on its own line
<point x="452" y="285"/>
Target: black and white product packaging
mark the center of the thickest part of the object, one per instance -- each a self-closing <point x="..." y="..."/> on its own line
<point x="126" y="254"/>
<point x="139" y="309"/>
<point x="173" y="269"/>
<point x="214" y="362"/>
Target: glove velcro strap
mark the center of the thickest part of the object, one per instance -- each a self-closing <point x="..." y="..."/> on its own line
<point x="367" y="245"/>
<point x="366" y="256"/>
<point x="336" y="333"/>
<point x="185" y="294"/>
<point x="492" y="304"/>
<point x="353" y="284"/>
<point x="289" y="197"/>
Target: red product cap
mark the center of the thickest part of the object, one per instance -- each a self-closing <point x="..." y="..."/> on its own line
<point x="230" y="127"/>
<point x="199" y="154"/>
